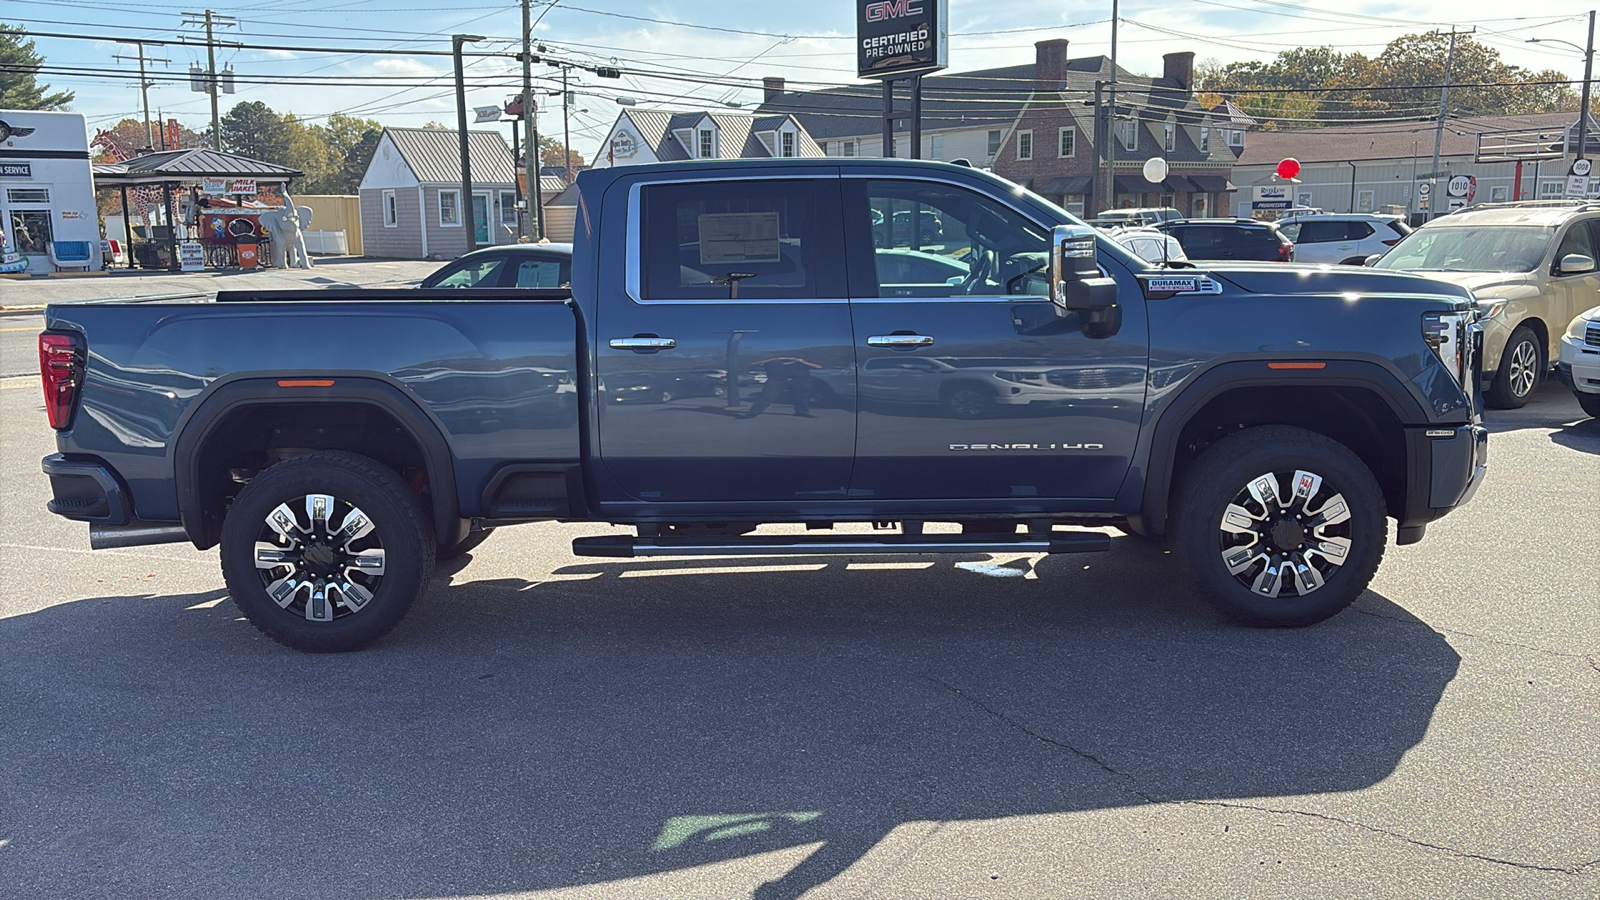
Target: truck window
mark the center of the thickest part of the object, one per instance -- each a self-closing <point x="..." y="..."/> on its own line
<point x="741" y="240"/>
<point x="935" y="240"/>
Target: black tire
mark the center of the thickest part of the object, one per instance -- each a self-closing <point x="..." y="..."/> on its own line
<point x="336" y="617"/>
<point x="1590" y="403"/>
<point x="1521" y="369"/>
<point x="465" y="545"/>
<point x="1290" y="536"/>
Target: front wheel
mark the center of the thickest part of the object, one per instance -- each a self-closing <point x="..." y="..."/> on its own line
<point x="1520" y="366"/>
<point x="326" y="552"/>
<point x="1280" y="526"/>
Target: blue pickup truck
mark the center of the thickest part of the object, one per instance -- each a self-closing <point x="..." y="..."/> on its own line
<point x="741" y="346"/>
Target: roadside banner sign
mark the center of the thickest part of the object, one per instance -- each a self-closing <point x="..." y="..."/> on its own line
<point x="486" y="114"/>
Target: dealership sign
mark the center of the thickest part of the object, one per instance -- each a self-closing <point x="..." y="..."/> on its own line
<point x="1270" y="196"/>
<point x="901" y="37"/>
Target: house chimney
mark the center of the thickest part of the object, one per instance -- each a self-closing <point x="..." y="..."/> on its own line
<point x="1179" y="67"/>
<point x="772" y="87"/>
<point x="1050" y="64"/>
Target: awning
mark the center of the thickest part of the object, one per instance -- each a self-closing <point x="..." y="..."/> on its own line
<point x="1211" y="184"/>
<point x="1180" y="184"/>
<point x="1136" y="184"/>
<point x="1070" y="184"/>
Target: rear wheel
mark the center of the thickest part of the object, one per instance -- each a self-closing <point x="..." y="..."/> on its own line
<point x="1521" y="364"/>
<point x="326" y="552"/>
<point x="1280" y="526"/>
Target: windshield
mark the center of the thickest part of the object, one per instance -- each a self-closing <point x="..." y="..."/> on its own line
<point x="1500" y="248"/>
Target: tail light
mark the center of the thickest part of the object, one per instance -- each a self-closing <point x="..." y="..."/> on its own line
<point x="1286" y="252"/>
<point x="1391" y="243"/>
<point x="61" y="368"/>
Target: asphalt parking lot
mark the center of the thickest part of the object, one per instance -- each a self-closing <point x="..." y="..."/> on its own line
<point x="1011" y="727"/>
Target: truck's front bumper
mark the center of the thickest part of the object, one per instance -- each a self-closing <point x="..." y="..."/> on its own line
<point x="1448" y="464"/>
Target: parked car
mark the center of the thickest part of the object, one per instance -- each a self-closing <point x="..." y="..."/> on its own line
<point x="1227" y="239"/>
<point x="1152" y="246"/>
<point x="334" y="464"/>
<point x="1342" y="238"/>
<point x="1531" y="265"/>
<point x="931" y="231"/>
<point x="1147" y="215"/>
<point x="1580" y="360"/>
<point x="508" y="266"/>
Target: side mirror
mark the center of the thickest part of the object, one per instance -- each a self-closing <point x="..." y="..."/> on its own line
<point x="1076" y="285"/>
<point x="1372" y="260"/>
<point x="1576" y="264"/>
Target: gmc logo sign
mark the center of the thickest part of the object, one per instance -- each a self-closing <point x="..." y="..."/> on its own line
<point x="892" y="9"/>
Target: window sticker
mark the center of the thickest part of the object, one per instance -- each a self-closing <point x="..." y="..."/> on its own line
<point x="728" y="238"/>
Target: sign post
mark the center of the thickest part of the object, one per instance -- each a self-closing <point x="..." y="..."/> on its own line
<point x="901" y="39"/>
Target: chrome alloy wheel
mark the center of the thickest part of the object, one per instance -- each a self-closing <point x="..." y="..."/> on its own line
<point x="1523" y="369"/>
<point x="1273" y="543"/>
<point x="315" y="568"/>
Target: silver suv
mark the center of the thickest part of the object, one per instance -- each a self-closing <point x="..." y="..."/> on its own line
<point x="1341" y="238"/>
<point x="1532" y="267"/>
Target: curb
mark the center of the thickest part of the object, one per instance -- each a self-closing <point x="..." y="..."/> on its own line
<point x="21" y="310"/>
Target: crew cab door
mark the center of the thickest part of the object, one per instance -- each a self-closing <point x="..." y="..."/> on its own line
<point x="723" y="361"/>
<point x="971" y="386"/>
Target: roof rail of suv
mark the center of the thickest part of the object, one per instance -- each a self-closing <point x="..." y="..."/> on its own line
<point x="1575" y="205"/>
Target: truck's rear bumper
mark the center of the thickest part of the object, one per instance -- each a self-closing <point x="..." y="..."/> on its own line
<point x="1448" y="464"/>
<point x="86" y="489"/>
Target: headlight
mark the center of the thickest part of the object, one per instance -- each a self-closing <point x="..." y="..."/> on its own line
<point x="1491" y="308"/>
<point x="1575" y="331"/>
<point x="1447" y="335"/>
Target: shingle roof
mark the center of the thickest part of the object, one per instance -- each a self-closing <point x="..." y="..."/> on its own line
<point x="1392" y="140"/>
<point x="434" y="155"/>
<point x="190" y="165"/>
<point x="970" y="99"/>
<point x="740" y="133"/>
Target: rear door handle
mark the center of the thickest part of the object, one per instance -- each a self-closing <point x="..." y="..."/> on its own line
<point x="900" y="341"/>
<point x="643" y="343"/>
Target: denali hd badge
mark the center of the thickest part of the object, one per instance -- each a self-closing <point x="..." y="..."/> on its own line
<point x="1027" y="446"/>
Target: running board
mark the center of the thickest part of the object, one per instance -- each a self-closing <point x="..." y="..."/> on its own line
<point x="626" y="546"/>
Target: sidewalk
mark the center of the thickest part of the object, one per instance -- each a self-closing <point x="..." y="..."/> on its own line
<point x="21" y="294"/>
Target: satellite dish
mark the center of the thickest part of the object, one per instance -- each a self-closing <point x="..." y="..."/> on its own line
<point x="1155" y="170"/>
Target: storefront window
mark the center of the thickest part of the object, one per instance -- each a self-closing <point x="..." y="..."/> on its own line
<point x="30" y="230"/>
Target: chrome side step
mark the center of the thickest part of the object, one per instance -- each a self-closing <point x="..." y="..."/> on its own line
<point x="626" y="547"/>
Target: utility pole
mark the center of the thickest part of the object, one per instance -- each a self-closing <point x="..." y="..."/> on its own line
<point x="144" y="90"/>
<point x="1111" y="120"/>
<point x="471" y="219"/>
<point x="1583" y="105"/>
<point x="1438" y="130"/>
<point x="530" y="159"/>
<point x="210" y="19"/>
<point x="566" y="122"/>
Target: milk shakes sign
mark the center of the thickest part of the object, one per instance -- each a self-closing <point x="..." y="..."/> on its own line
<point x="901" y="37"/>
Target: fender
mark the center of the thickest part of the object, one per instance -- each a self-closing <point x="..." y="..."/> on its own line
<point x="196" y="428"/>
<point x="1217" y="380"/>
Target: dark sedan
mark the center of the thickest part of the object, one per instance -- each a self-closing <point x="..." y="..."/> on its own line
<point x="511" y="266"/>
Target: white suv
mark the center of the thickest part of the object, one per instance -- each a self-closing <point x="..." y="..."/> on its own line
<point x="1580" y="360"/>
<point x="1532" y="267"/>
<point x="1341" y="238"/>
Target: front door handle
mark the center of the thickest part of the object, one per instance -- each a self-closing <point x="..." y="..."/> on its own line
<point x="900" y="341"/>
<point x="643" y="343"/>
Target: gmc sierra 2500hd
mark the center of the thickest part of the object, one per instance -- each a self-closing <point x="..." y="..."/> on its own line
<point x="747" y="343"/>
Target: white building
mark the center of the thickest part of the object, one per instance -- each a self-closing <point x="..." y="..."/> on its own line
<point x="411" y="206"/>
<point x="47" y="191"/>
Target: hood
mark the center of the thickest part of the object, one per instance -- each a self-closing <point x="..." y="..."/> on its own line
<point x="1481" y="282"/>
<point x="1305" y="278"/>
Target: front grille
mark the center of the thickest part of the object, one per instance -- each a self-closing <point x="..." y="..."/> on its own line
<point x="1591" y="334"/>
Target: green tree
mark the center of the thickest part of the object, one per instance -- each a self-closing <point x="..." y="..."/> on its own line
<point x="19" y="69"/>
<point x="554" y="153"/>
<point x="252" y="129"/>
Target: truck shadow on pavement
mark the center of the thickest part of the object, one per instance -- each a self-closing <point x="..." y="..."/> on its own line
<point x="618" y="720"/>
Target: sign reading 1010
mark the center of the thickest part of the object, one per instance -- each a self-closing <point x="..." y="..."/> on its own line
<point x="901" y="37"/>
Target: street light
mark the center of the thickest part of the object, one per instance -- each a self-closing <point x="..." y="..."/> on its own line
<point x="456" y="41"/>
<point x="1588" y="70"/>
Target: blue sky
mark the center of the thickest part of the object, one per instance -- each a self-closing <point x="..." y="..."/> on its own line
<point x="805" y="42"/>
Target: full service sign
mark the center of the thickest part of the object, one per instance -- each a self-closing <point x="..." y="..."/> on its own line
<point x="901" y="37"/>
